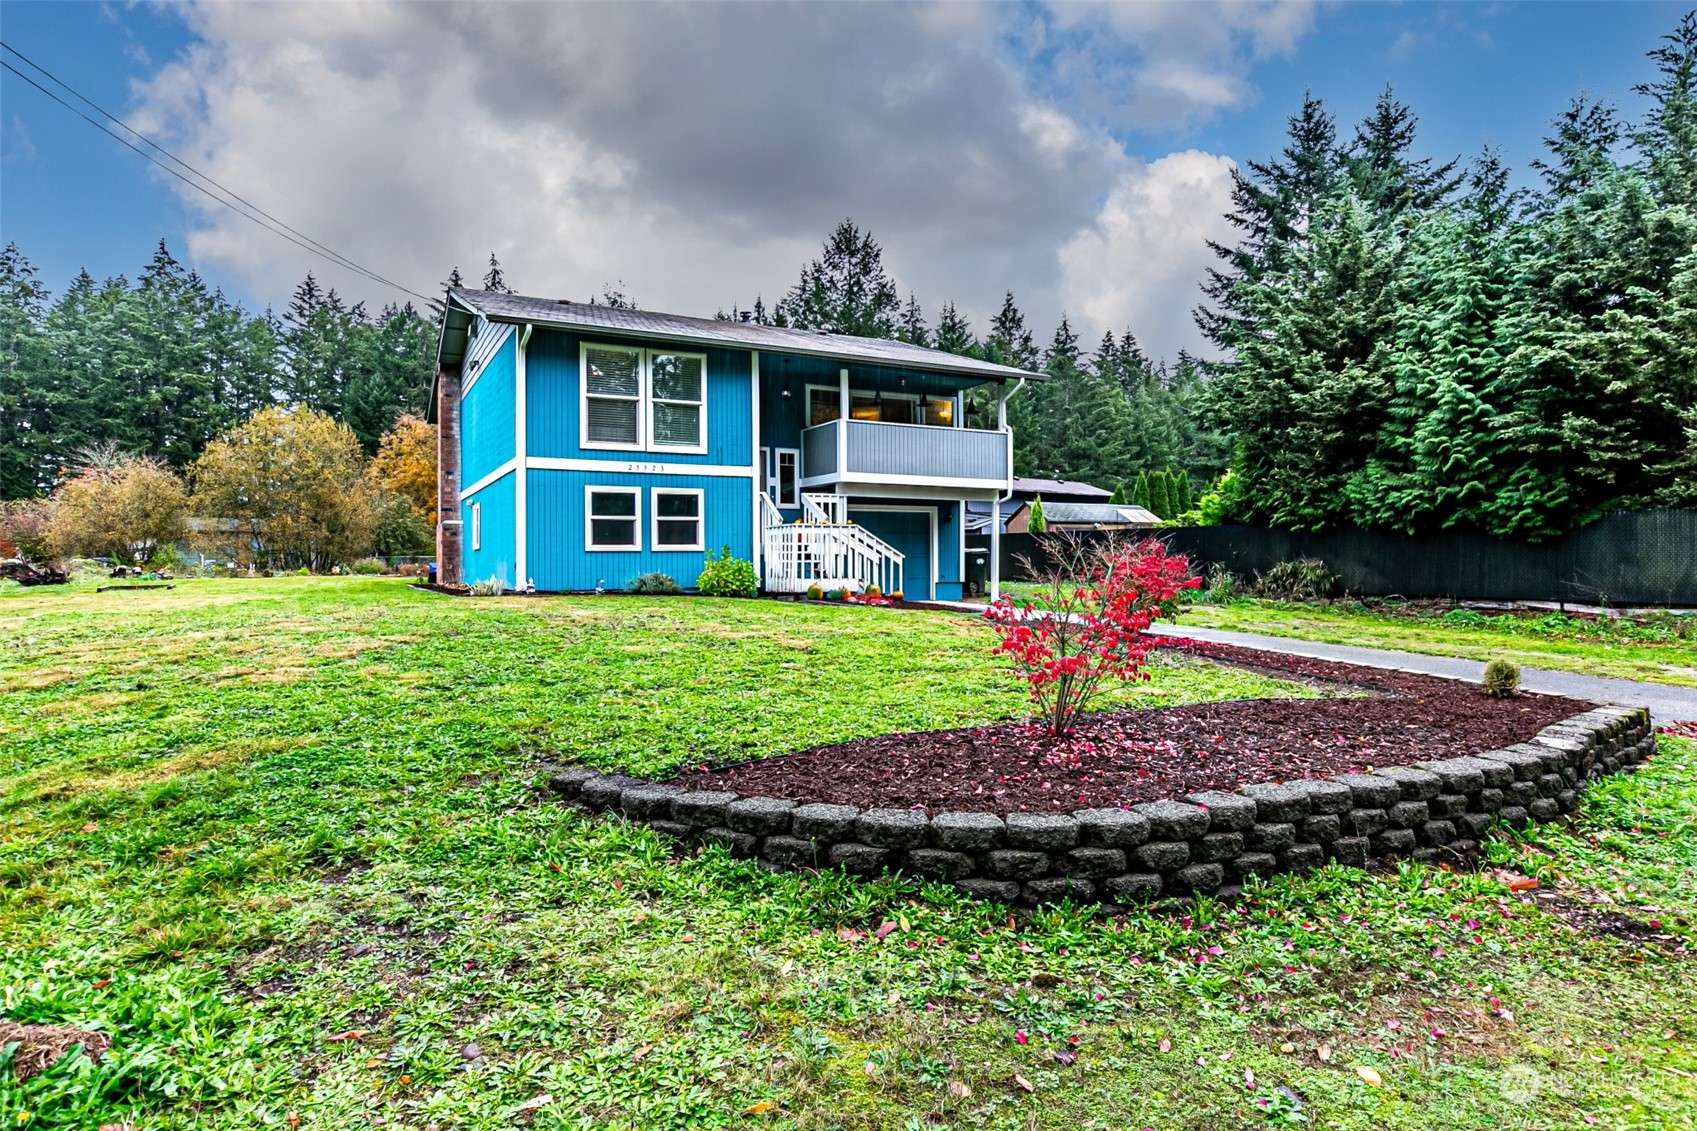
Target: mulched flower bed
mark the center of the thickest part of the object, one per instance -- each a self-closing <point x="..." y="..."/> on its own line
<point x="1124" y="757"/>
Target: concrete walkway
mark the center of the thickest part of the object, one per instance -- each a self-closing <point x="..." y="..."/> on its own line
<point x="1667" y="703"/>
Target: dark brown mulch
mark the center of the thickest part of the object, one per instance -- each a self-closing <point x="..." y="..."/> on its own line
<point x="1123" y="757"/>
<point x="41" y="1046"/>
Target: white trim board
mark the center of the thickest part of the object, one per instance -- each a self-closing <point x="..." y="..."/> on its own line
<point x="639" y="467"/>
<point x="851" y="482"/>
<point x="479" y="356"/>
<point x="493" y="477"/>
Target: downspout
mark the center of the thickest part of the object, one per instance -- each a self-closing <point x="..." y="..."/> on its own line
<point x="757" y="514"/>
<point x="521" y="462"/>
<point x="996" y="509"/>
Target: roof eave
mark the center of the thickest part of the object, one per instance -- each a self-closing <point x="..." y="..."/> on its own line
<point x="1001" y="374"/>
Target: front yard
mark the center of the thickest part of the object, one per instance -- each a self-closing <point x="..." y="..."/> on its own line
<point x="279" y="840"/>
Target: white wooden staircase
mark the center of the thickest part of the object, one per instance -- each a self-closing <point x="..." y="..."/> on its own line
<point x="825" y="549"/>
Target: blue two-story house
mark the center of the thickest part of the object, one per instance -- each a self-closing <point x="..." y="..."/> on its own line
<point x="584" y="445"/>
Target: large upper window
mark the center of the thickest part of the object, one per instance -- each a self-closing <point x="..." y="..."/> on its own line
<point x="653" y="400"/>
<point x="824" y="404"/>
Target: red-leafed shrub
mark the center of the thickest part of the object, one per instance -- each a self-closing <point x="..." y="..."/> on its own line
<point x="1087" y="621"/>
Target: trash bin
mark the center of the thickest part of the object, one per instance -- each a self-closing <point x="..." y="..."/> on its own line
<point x="977" y="571"/>
<point x="433" y="573"/>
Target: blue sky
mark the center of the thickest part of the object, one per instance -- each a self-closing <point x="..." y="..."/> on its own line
<point x="380" y="142"/>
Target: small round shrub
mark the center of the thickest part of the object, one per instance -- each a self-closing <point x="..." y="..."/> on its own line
<point x="369" y="566"/>
<point x="655" y="585"/>
<point x="488" y="587"/>
<point x="1502" y="679"/>
<point x="725" y="576"/>
<point x="814" y="593"/>
<point x="1306" y="579"/>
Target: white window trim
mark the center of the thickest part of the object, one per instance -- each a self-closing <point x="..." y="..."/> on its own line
<point x="477" y="526"/>
<point x="589" y="493"/>
<point x="655" y="519"/>
<point x="777" y="479"/>
<point x="644" y="400"/>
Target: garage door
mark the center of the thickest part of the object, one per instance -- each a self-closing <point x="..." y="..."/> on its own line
<point x="909" y="532"/>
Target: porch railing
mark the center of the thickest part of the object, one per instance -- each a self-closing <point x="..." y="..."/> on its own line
<point x="829" y="554"/>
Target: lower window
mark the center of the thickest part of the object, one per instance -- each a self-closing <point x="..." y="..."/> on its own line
<point x="610" y="518"/>
<point x="677" y="519"/>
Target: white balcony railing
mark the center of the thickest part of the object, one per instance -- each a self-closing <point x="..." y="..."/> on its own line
<point x="873" y="452"/>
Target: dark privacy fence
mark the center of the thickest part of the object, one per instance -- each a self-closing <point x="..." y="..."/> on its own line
<point x="1625" y="558"/>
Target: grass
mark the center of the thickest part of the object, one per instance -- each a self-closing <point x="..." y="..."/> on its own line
<point x="279" y="838"/>
<point x="1661" y="649"/>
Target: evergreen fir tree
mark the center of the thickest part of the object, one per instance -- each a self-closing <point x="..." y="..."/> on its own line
<point x="1667" y="139"/>
<point x="1036" y="524"/>
<point x="913" y="324"/>
<point x="1140" y="491"/>
<point x="1118" y="497"/>
<point x="954" y="333"/>
<point x="846" y="290"/>
<point x="495" y="279"/>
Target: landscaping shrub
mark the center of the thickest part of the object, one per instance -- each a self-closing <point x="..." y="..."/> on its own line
<point x="1465" y="618"/>
<point x="370" y="566"/>
<point x="655" y="584"/>
<point x="1088" y="619"/>
<point x="1502" y="679"/>
<point x="725" y="576"/>
<point x="1221" y="588"/>
<point x="1306" y="579"/>
<point x="488" y="587"/>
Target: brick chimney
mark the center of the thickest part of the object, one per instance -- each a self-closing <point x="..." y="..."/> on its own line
<point x="450" y="529"/>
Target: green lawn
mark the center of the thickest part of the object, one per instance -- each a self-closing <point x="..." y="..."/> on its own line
<point x="243" y="820"/>
<point x="1662" y="649"/>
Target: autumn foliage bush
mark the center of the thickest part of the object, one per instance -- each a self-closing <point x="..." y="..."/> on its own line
<point x="1086" y="624"/>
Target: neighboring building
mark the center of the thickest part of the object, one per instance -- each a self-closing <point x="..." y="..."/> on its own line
<point x="584" y="445"/>
<point x="1024" y="490"/>
<point x="1084" y="516"/>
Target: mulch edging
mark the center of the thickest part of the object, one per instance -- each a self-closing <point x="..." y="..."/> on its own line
<point x="1527" y="762"/>
<point x="1121" y="757"/>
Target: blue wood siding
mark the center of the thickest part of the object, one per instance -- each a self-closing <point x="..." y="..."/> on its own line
<point x="488" y="427"/>
<point x="497" y="552"/>
<point x="910" y="532"/>
<point x="551" y="424"/>
<point x="559" y="559"/>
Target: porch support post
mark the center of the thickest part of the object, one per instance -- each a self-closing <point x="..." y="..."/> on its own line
<point x="450" y="534"/>
<point x="995" y="547"/>
<point x="842" y="430"/>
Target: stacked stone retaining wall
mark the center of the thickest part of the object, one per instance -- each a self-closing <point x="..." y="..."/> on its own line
<point x="1204" y="843"/>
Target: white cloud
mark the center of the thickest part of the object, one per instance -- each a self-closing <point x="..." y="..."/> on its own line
<point x="1161" y="65"/>
<point x="1138" y="264"/>
<point x="697" y="152"/>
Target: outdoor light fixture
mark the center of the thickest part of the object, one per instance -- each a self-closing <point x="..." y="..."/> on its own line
<point x="785" y="391"/>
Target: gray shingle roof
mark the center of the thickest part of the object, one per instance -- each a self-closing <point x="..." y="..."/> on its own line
<point x="712" y="332"/>
<point x="1104" y="514"/>
<point x="1023" y="485"/>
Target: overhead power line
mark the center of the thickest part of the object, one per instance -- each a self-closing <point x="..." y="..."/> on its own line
<point x="194" y="177"/>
